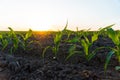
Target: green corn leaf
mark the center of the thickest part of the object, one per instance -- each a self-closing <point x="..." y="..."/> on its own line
<point x="23" y="45"/>
<point x="85" y="46"/>
<point x="94" y="37"/>
<point x="87" y="40"/>
<point x="28" y="34"/>
<point x="111" y="32"/>
<point x="55" y="50"/>
<point x="99" y="48"/>
<point x="29" y="43"/>
<point x="78" y="34"/>
<point x="1" y="37"/>
<point x="90" y="56"/>
<point x="57" y="38"/>
<point x="15" y="45"/>
<point x="117" y="68"/>
<point x="72" y="48"/>
<point x="65" y="28"/>
<point x="74" y="40"/>
<point x="5" y="44"/>
<point x="12" y="33"/>
<point x="107" y="27"/>
<point x="11" y="29"/>
<point x="22" y="36"/>
<point x="71" y="52"/>
<point x="108" y="60"/>
<point x="113" y="35"/>
<point x="68" y="35"/>
<point x="44" y="51"/>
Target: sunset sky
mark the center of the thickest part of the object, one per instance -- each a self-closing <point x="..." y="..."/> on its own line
<point x="53" y="14"/>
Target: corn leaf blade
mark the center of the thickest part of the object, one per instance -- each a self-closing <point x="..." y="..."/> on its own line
<point x="108" y="59"/>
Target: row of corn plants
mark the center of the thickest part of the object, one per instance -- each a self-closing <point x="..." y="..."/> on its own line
<point x="13" y="41"/>
<point x="86" y="43"/>
<point x="83" y="37"/>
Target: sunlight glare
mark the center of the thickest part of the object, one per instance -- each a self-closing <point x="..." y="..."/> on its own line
<point x="40" y="27"/>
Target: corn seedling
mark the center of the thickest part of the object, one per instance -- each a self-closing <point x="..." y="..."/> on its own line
<point x="24" y="41"/>
<point x="86" y="44"/>
<point x="76" y="39"/>
<point x="56" y="46"/>
<point x="114" y="36"/>
<point x="14" y="40"/>
<point x="57" y="41"/>
<point x="3" y="42"/>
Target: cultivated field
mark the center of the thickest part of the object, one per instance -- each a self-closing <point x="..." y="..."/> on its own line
<point x="61" y="55"/>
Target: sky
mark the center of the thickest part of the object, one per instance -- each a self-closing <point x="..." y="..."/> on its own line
<point x="54" y="14"/>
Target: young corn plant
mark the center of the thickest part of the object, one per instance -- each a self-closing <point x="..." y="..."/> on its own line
<point x="14" y="40"/>
<point x="55" y="48"/>
<point x="24" y="42"/>
<point x="115" y="37"/>
<point x="86" y="44"/>
<point x="57" y="41"/>
<point x="3" y="42"/>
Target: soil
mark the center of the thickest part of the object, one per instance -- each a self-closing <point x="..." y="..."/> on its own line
<point x="30" y="65"/>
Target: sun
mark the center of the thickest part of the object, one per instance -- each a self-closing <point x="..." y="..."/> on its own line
<point x="40" y="27"/>
<point x="41" y="24"/>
